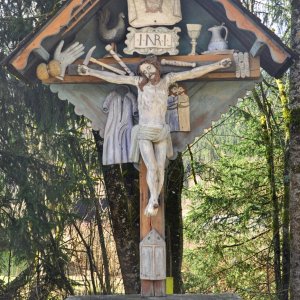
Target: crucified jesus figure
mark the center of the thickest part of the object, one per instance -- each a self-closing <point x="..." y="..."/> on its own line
<point x="151" y="137"/>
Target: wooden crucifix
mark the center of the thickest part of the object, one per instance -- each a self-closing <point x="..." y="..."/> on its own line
<point x="150" y="142"/>
<point x="215" y="80"/>
<point x="151" y="137"/>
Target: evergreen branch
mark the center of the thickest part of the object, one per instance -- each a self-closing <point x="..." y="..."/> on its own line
<point x="242" y="243"/>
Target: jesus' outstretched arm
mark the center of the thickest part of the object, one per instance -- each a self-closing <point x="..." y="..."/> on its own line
<point x="198" y="72"/>
<point x="108" y="76"/>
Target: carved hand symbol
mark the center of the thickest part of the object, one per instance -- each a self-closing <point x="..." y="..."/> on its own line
<point x="67" y="56"/>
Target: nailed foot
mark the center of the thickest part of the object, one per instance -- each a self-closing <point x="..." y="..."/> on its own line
<point x="151" y="209"/>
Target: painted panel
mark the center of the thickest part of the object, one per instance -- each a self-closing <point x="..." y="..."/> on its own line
<point x="146" y="263"/>
<point x="160" y="262"/>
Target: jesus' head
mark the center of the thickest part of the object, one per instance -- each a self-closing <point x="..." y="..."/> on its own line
<point x="149" y="70"/>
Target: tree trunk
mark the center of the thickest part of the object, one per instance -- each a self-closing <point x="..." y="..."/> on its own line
<point x="122" y="191"/>
<point x="103" y="247"/>
<point x="295" y="155"/>
<point x="174" y="230"/>
<point x="286" y="196"/>
<point x="80" y="160"/>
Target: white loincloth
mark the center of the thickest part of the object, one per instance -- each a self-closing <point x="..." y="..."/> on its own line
<point x="152" y="134"/>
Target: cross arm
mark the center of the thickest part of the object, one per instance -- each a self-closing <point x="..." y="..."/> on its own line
<point x="132" y="63"/>
<point x="198" y="71"/>
<point x="108" y="76"/>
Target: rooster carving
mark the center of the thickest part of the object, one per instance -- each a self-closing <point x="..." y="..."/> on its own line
<point x="111" y="34"/>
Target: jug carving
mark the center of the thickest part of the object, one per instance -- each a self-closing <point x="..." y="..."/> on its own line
<point x="218" y="42"/>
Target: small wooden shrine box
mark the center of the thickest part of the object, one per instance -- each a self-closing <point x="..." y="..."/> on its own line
<point x="153" y="257"/>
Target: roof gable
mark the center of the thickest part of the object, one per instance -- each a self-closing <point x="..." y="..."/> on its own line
<point x="243" y="26"/>
<point x="276" y="57"/>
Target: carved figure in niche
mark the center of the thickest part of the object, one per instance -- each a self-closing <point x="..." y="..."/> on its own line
<point x="151" y="137"/>
<point x="178" y="113"/>
<point x="121" y="106"/>
<point x="142" y="13"/>
<point x="172" y="112"/>
<point x="183" y="109"/>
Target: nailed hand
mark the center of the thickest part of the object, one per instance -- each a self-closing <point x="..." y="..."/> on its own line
<point x="83" y="70"/>
<point x="225" y="63"/>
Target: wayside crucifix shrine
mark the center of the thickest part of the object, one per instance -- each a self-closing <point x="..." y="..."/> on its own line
<point x="150" y="75"/>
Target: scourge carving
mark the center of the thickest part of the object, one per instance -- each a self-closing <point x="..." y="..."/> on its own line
<point x="150" y="40"/>
<point x="142" y="13"/>
<point x="106" y="66"/>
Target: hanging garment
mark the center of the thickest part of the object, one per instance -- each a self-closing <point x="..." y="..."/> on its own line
<point x="121" y="107"/>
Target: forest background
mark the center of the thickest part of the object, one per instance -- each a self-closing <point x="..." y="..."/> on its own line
<point x="69" y="225"/>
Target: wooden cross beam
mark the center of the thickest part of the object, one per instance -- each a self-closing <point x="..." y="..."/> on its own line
<point x="151" y="287"/>
<point x="132" y="63"/>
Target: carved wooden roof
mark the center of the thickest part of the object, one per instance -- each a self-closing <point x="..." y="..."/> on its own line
<point x="276" y="58"/>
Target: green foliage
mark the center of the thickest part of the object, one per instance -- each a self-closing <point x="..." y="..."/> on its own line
<point x="41" y="175"/>
<point x="237" y="225"/>
<point x="229" y="225"/>
<point x="41" y="179"/>
<point x="18" y="18"/>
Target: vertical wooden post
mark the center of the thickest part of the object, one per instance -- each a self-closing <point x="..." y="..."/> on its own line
<point x="151" y="287"/>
